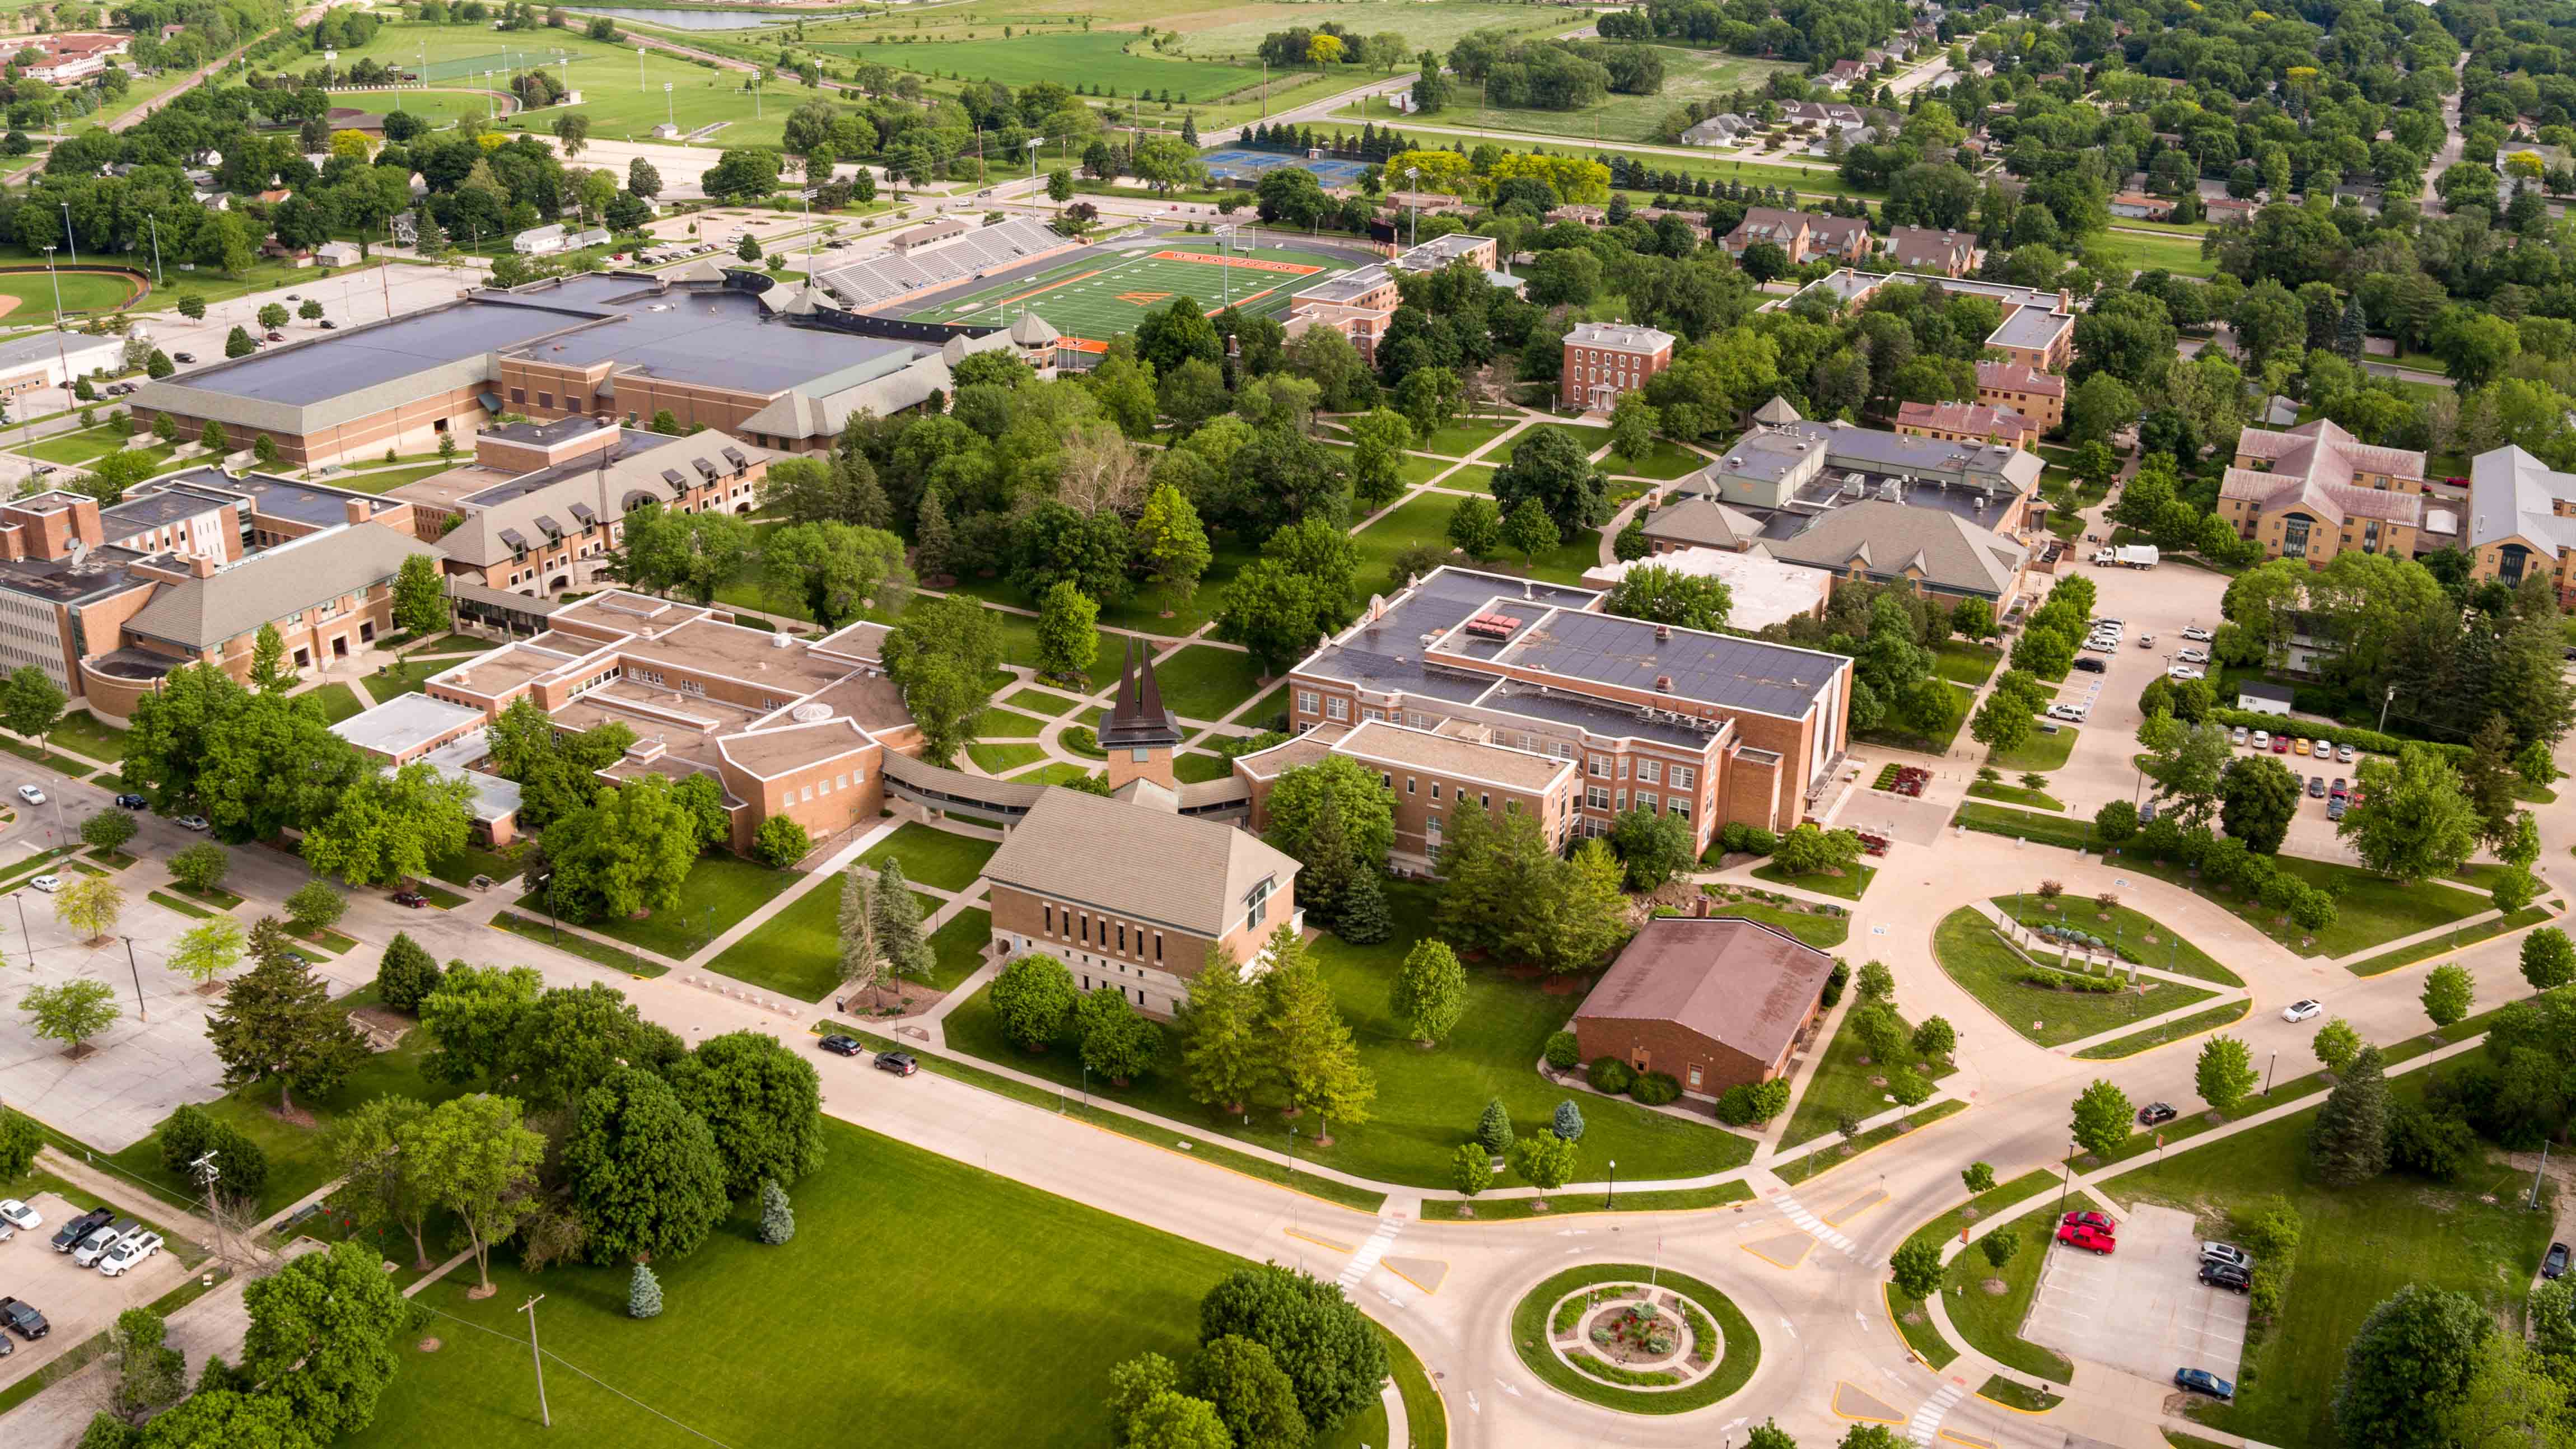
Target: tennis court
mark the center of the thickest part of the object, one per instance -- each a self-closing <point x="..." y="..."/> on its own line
<point x="1237" y="164"/>
<point x="1100" y="295"/>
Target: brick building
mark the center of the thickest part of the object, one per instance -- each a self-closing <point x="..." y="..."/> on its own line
<point x="2522" y="521"/>
<point x="2315" y="491"/>
<point x="1967" y="423"/>
<point x="1804" y="235"/>
<point x="1429" y="774"/>
<point x="1605" y="359"/>
<point x="2036" y="395"/>
<point x="1714" y="1003"/>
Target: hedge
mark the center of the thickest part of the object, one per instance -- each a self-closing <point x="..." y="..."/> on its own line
<point x="2056" y="980"/>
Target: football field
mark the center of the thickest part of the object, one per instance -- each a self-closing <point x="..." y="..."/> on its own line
<point x="1101" y="295"/>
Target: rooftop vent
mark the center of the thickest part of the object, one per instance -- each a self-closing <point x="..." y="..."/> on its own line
<point x="1663" y="633"/>
<point x="1663" y="684"/>
<point x="780" y="641"/>
<point x="812" y="712"/>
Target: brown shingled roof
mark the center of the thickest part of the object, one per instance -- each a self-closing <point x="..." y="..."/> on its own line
<point x="1738" y="983"/>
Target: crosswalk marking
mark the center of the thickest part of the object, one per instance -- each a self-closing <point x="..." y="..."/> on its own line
<point x="1372" y="1250"/>
<point x="1811" y="1224"/>
<point x="1927" y="1420"/>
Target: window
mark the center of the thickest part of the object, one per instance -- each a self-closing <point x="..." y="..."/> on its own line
<point x="1646" y="802"/>
<point x="1694" y="1078"/>
<point x="1677" y="807"/>
<point x="1649" y="770"/>
<point x="1623" y="799"/>
<point x="1596" y="797"/>
<point x="2294" y="537"/>
<point x="1484" y="801"/>
<point x="1122" y="936"/>
<point x="1086" y="928"/>
<point x="1337" y="708"/>
<point x="545" y="399"/>
<point x="1046" y="911"/>
<point x="1684" y="777"/>
<point x="1408" y="784"/>
<point x="1431" y="829"/>
<point x="1372" y="713"/>
<point x="518" y="394"/>
<point x="840" y="782"/>
<point x="1435" y="789"/>
<point x="1158" y="948"/>
<point x="1600" y="767"/>
<point x="1386" y="779"/>
<point x="1257" y="901"/>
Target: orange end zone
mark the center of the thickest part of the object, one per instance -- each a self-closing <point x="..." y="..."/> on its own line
<point x="1294" y="269"/>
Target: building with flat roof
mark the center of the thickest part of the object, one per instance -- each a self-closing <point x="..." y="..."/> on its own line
<point x="2314" y="491"/>
<point x="1605" y="359"/>
<point x="53" y="359"/>
<point x="1714" y="1003"/>
<point x="600" y="346"/>
<point x="1762" y="590"/>
<point x="1710" y="727"/>
<point x="1428" y="774"/>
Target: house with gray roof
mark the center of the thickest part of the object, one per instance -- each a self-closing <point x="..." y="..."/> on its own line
<point x="2522" y="520"/>
<point x="1929" y="550"/>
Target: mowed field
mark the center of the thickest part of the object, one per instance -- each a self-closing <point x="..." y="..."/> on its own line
<point x="30" y="293"/>
<point x="1237" y="30"/>
<point x="1689" y="75"/>
<point x="1093" y="58"/>
<point x="1099" y="296"/>
<point x="620" y="108"/>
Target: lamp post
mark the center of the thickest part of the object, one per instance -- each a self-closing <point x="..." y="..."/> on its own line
<point x="639" y="67"/>
<point x="140" y="1014"/>
<point x="1614" y="1183"/>
<point x="73" y="242"/>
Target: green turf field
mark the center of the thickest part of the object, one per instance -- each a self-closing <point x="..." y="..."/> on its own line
<point x="1689" y="75"/>
<point x="1100" y="296"/>
<point x="621" y="92"/>
<point x="1094" y="57"/>
<point x="81" y="291"/>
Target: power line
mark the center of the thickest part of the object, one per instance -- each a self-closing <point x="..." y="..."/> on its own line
<point x="594" y="1378"/>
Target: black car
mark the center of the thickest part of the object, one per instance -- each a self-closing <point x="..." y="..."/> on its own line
<point x="413" y="899"/>
<point x="2091" y="665"/>
<point x="842" y="1046"/>
<point x="183" y="357"/>
<point x="23" y="1319"/>
<point x="2155" y="1114"/>
<point x="2202" y="1381"/>
<point x="899" y="1063"/>
<point x="2555" y="1265"/>
<point x="133" y="802"/>
<point x="2227" y="1276"/>
<point x="2317" y="787"/>
<point x="327" y="325"/>
<point x="69" y="1235"/>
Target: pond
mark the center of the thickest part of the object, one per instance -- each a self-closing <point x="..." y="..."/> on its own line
<point x="689" y="19"/>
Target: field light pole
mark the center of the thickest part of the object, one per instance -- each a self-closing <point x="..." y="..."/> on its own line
<point x="74" y="243"/>
<point x="59" y="354"/>
<point x="156" y="249"/>
<point x="639" y="67"/>
<point x="1414" y="204"/>
<point x="670" y="108"/>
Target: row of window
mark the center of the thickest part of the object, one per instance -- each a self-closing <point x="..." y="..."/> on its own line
<point x="1067" y="924"/>
<point x="1601" y="797"/>
<point x="821" y="787"/>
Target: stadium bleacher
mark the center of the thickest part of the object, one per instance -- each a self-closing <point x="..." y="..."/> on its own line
<point x="888" y="278"/>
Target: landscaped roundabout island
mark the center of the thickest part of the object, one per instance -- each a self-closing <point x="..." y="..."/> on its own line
<point x="1635" y="1339"/>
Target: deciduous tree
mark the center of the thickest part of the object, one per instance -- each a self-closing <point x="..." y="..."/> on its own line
<point x="477" y="1160"/>
<point x="323" y="1330"/>
<point x="762" y="1102"/>
<point x="71" y="1013"/>
<point x="1430" y="992"/>
<point x="2102" y="1118"/>
<point x="644" y="1170"/>
<point x="2224" y="1075"/>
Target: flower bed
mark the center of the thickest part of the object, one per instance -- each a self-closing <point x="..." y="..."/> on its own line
<point x="1906" y="780"/>
<point x="1872" y="843"/>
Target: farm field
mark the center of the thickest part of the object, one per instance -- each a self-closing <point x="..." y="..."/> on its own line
<point x="1097" y="297"/>
<point x="1433" y="27"/>
<point x="1689" y="75"/>
<point x="607" y="76"/>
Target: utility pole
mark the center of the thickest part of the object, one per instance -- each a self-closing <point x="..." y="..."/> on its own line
<point x="139" y="1013"/>
<point x="544" y="1414"/>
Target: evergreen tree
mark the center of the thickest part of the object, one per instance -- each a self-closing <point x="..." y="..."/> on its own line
<point x="1190" y="131"/>
<point x="777" y="1219"/>
<point x="2349" y="328"/>
<point x="1568" y="1122"/>
<point x="643" y="1293"/>
<point x="896" y="913"/>
<point x="1494" y="1127"/>
<point x="1312" y="1054"/>
<point x="863" y="960"/>
<point x="1332" y="867"/>
<point x="1430" y="992"/>
<point x="1219" y="1026"/>
<point x="934" y="546"/>
<point x="1471" y="910"/>
<point x="1365" y="917"/>
<point x="2349" y="1143"/>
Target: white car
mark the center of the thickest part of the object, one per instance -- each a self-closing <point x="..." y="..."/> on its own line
<point x="47" y="883"/>
<point x="18" y="1215"/>
<point x="2238" y="738"/>
<point x="2262" y="739"/>
<point x="31" y="794"/>
<point x="2071" y="713"/>
<point x="2146" y="641"/>
<point x="2199" y="633"/>
<point x="128" y="1253"/>
<point x="2343" y="754"/>
<point x="2302" y="1010"/>
<point x="192" y="822"/>
<point x="2185" y="671"/>
<point x="2193" y="656"/>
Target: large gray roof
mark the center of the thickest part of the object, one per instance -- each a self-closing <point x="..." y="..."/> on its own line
<point x="1130" y="860"/>
<point x="479" y="540"/>
<point x="1721" y="669"/>
<point x="202" y="613"/>
<point x="1889" y="538"/>
<point x="2514" y="495"/>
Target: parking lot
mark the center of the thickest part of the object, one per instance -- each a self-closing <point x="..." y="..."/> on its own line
<point x="78" y="1302"/>
<point x="2142" y="1308"/>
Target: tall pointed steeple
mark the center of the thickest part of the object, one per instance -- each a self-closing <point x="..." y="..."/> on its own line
<point x="1139" y="733"/>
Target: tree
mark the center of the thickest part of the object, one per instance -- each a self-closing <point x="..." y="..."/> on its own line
<point x="2408" y="1368"/>
<point x="278" y="1024"/>
<point x="1067" y="637"/>
<point x="1808" y="850"/>
<point x="780" y="842"/>
<point x="1494" y="1128"/>
<point x="777" y="1216"/>
<point x="1330" y="1353"/>
<point x="1935" y="1039"/>
<point x="1430" y="992"/>
<point x="2448" y="993"/>
<point x="1528" y="529"/>
<point x="1916" y="1268"/>
<point x="1652" y="848"/>
<point x="2548" y="959"/>
<point x="150" y="1375"/>
<point x="386" y="827"/>
<point x="1543" y="1160"/>
<point x="2349" y="1142"/>
<point x="761" y="1101"/>
<point x="89" y="905"/>
<point x="643" y="179"/>
<point x="1550" y="466"/>
<point x="895" y="913"/>
<point x="2412" y="823"/>
<point x="1116" y="1042"/>
<point x="1173" y="545"/>
<point x="1364" y="806"/>
<point x="30" y="703"/>
<point x="2258" y="797"/>
<point x="420" y="596"/>
<point x="1253" y="1399"/>
<point x="108" y="830"/>
<point x="201" y="868"/>
<point x="477" y="1160"/>
<point x="474" y="1017"/>
<point x="2336" y="1044"/>
<point x="71" y="1013"/>
<point x="643" y="1169"/>
<point x="1664" y="595"/>
<point x="1312" y="1056"/>
<point x="1379" y="439"/>
<point x="1031" y="999"/>
<point x="2102" y="1118"/>
<point x="941" y="654"/>
<point x="625" y="855"/>
<point x="209" y="950"/>
<point x="1218" y="1027"/>
<point x="389" y="1186"/>
<point x="322" y="1338"/>
<point x="643" y="1289"/>
<point x="314" y="908"/>
<point x="1476" y="528"/>
<point x="1471" y="1168"/>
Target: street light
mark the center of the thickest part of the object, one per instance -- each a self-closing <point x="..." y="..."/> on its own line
<point x="74" y="242"/>
<point x="59" y="354"/>
<point x="1614" y="1183"/>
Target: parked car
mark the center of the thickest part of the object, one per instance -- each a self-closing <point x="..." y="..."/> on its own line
<point x="31" y="794"/>
<point x="133" y="802"/>
<point x="69" y="1235"/>
<point x="899" y="1063"/>
<point x="193" y="822"/>
<point x="23" y="1319"/>
<point x="2338" y="789"/>
<point x="2299" y="746"/>
<point x="2555" y="1265"/>
<point x="277" y="337"/>
<point x="2343" y="754"/>
<point x="2146" y="641"/>
<point x="2197" y="633"/>
<point x="2238" y="737"/>
<point x="2316" y="787"/>
<point x="2100" y="645"/>
<point x="842" y="1046"/>
<point x="18" y="1215"/>
<point x="47" y="883"/>
<point x="2091" y="1240"/>
<point x="2193" y="656"/>
<point x="2071" y="713"/>
<point x="2280" y="744"/>
<point x="129" y="1253"/>
<point x="2302" y="1010"/>
<point x="2092" y="666"/>
<point x="2156" y="1114"/>
<point x="413" y="899"/>
<point x="327" y="325"/>
<point x="2185" y="671"/>
<point x="2202" y="1381"/>
<point x="2099" y="1222"/>
<point x="2227" y="1253"/>
<point x="95" y="1246"/>
<point x="2336" y="807"/>
<point x="183" y="357"/>
<point x="2262" y="739"/>
<point x="2227" y="1276"/>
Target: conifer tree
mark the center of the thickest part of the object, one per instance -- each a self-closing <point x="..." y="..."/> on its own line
<point x="1221" y="1058"/>
<point x="896" y="912"/>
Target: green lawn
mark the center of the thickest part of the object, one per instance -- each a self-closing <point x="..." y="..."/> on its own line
<point x="1461" y="438"/>
<point x="795" y="952"/>
<point x="1894" y="737"/>
<point x="1667" y="459"/>
<point x="1040" y="702"/>
<point x="1415" y="471"/>
<point x="1426" y="1100"/>
<point x="1204" y="682"/>
<point x="2127" y="930"/>
<point x="2360" y="1245"/>
<point x="2179" y="255"/>
<point x="1991" y="1322"/>
<point x="1985" y="968"/>
<point x="1055" y="772"/>
<point x="2167" y="1034"/>
<point x="385" y="480"/>
<point x="1003" y="759"/>
<point x="473" y="860"/>
<point x="1820" y="931"/>
<point x="2015" y="795"/>
<point x="1006" y="724"/>
<point x="2040" y="752"/>
<point x="1841" y="1087"/>
<point x="1851" y="885"/>
<point x="338" y="702"/>
<point x="1058" y="1294"/>
<point x="721" y="890"/>
<point x="1198" y="766"/>
<point x="942" y="859"/>
<point x="960" y="943"/>
<point x="1590" y="440"/>
<point x="1420" y="520"/>
<point x="573" y="943"/>
<point x="1945" y="1229"/>
<point x="1964" y="663"/>
<point x="81" y="732"/>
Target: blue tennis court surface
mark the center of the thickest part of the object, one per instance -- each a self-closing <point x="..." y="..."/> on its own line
<point x="1237" y="164"/>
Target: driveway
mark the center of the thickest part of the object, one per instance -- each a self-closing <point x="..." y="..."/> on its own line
<point x="2142" y="1308"/>
<point x="77" y="1301"/>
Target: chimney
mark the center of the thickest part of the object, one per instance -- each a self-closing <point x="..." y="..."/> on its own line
<point x="356" y="509"/>
<point x="1663" y="633"/>
<point x="200" y="566"/>
<point x="1663" y="684"/>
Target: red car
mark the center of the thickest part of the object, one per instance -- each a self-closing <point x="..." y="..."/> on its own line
<point x="2097" y="1221"/>
<point x="2280" y="744"/>
<point x="2077" y="1235"/>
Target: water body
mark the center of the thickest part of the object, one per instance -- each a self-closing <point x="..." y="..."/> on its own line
<point x="690" y="19"/>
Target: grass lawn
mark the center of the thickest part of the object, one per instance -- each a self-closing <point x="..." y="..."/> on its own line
<point x="960" y="943"/>
<point x="795" y="952"/>
<point x="1270" y="711"/>
<point x="2167" y="1034"/>
<point x="721" y="889"/>
<point x="1055" y="772"/>
<point x="338" y="702"/>
<point x="1991" y="1322"/>
<point x="62" y="764"/>
<point x="1894" y="737"/>
<point x="1461" y="438"/>
<point x="2361" y="1244"/>
<point x="1417" y="471"/>
<point x="2179" y="255"/>
<point x="298" y="1159"/>
<point x="1945" y="1229"/>
<point x="2016" y="795"/>
<point x="1005" y="724"/>
<point x="1003" y="759"/>
<point x="1822" y="932"/>
<point x="1426" y="1100"/>
<point x="1203" y="682"/>
<point x="1059" y="1293"/>
<point x="458" y="644"/>
<point x="1985" y="968"/>
<point x="1841" y="1087"/>
<point x="81" y="732"/>
<point x="2128" y="931"/>
<point x="938" y="858"/>
<point x="1823" y="1159"/>
<point x="1474" y="477"/>
<point x="1689" y="74"/>
<point x="2426" y="950"/>
<point x="1039" y="701"/>
<point x="573" y="943"/>
<point x="473" y="860"/>
<point x="1590" y="440"/>
<point x="1851" y="885"/>
<point x="1199" y="766"/>
<point x="1968" y="664"/>
<point x="405" y="677"/>
<point x="2040" y="752"/>
<point x="385" y="480"/>
<point x="1668" y="459"/>
<point x="1421" y="520"/>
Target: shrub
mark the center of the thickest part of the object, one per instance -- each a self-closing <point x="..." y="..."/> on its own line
<point x="1563" y="1051"/>
<point x="2056" y="980"/>
<point x="1741" y="839"/>
<point x="1835" y="983"/>
<point x="777" y="1219"/>
<point x="1609" y="1074"/>
<point x="780" y="842"/>
<point x="1735" y="1105"/>
<point x="643" y="1294"/>
<point x="406" y="975"/>
<point x="315" y="907"/>
<point x="1656" y="1088"/>
<point x="191" y="1133"/>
